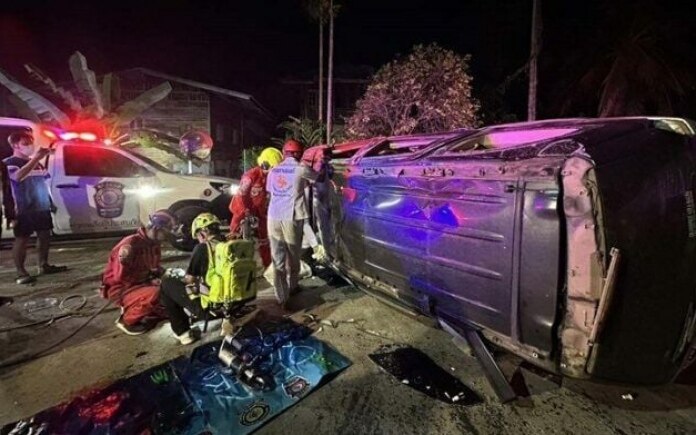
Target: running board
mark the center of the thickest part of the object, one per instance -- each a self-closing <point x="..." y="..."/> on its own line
<point x="495" y="376"/>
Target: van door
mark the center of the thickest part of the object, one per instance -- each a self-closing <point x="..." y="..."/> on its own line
<point x="94" y="189"/>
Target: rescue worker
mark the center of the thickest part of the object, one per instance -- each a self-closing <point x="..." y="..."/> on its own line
<point x="177" y="296"/>
<point x="131" y="278"/>
<point x="287" y="212"/>
<point x="251" y="200"/>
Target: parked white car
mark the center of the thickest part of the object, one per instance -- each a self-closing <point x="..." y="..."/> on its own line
<point x="103" y="190"/>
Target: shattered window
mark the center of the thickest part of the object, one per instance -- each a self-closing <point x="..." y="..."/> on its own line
<point x="505" y="139"/>
<point x="401" y="147"/>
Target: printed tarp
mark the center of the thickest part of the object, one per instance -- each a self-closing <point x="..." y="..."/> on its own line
<point x="191" y="396"/>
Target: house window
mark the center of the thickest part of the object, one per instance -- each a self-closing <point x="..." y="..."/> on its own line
<point x="220" y="132"/>
<point x="235" y="136"/>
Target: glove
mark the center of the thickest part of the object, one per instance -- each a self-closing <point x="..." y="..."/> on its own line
<point x="319" y="253"/>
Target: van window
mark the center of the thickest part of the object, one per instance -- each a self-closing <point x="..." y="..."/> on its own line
<point x="399" y="147"/>
<point x="504" y="139"/>
<point x="91" y="161"/>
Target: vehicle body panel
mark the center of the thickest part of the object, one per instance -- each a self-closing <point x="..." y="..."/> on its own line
<point x="567" y="242"/>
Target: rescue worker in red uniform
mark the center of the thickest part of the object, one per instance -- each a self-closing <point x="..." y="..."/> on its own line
<point x="131" y="278"/>
<point x="251" y="200"/>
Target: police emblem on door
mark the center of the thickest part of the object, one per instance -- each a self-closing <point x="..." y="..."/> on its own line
<point x="109" y="198"/>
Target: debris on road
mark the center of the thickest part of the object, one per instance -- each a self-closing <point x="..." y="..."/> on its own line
<point x="197" y="394"/>
<point x="628" y="396"/>
<point x="418" y="371"/>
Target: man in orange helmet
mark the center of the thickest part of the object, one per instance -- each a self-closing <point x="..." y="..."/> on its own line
<point x="287" y="213"/>
<point x="251" y="200"/>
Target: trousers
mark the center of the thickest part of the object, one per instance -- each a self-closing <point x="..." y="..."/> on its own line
<point x="140" y="302"/>
<point x="286" y="250"/>
<point x="174" y="298"/>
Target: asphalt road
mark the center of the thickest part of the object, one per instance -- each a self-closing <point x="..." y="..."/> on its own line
<point x="362" y="399"/>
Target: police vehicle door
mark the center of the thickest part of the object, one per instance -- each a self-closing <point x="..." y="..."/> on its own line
<point x="94" y="190"/>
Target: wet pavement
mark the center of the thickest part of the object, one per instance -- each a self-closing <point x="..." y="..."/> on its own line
<point x="363" y="399"/>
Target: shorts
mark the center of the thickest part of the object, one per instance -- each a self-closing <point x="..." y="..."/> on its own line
<point x="30" y="222"/>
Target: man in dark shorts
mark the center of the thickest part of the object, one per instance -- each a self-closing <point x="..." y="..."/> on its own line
<point x="32" y="203"/>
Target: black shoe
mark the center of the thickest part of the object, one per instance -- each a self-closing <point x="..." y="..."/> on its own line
<point x="25" y="279"/>
<point x="137" y="329"/>
<point x="48" y="269"/>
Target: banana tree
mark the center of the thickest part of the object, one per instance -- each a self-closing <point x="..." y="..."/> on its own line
<point x="90" y="100"/>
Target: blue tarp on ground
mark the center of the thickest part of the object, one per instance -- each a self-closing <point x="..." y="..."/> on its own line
<point x="191" y="396"/>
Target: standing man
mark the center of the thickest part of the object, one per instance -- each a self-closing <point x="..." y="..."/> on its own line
<point x="251" y="200"/>
<point x="131" y="278"/>
<point x="8" y="207"/>
<point x="287" y="212"/>
<point x="32" y="203"/>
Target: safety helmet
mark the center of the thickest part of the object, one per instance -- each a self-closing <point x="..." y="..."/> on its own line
<point x="162" y="220"/>
<point x="292" y="146"/>
<point x="270" y="156"/>
<point x="202" y="221"/>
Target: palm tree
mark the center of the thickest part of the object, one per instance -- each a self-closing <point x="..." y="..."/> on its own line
<point x="333" y="10"/>
<point x="319" y="11"/>
<point x="533" y="60"/>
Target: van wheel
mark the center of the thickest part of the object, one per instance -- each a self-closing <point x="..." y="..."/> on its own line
<point x="185" y="216"/>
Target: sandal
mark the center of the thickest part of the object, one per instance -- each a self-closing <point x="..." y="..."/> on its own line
<point x="49" y="269"/>
<point x="25" y="279"/>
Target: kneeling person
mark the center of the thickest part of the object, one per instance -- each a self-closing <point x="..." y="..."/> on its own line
<point x="131" y="278"/>
<point x="178" y="296"/>
<point x="219" y="278"/>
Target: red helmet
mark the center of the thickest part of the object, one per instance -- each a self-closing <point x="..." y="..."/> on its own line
<point x="292" y="146"/>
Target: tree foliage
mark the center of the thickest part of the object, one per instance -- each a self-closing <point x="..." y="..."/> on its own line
<point x="309" y="132"/>
<point x="637" y="69"/>
<point x="427" y="91"/>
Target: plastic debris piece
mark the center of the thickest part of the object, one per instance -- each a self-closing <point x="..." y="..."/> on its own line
<point x="415" y="369"/>
<point x="628" y="396"/>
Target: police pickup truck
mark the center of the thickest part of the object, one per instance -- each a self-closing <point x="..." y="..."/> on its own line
<point x="101" y="190"/>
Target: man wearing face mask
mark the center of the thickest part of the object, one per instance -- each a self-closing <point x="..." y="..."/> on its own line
<point x="32" y="203"/>
<point x="131" y="278"/>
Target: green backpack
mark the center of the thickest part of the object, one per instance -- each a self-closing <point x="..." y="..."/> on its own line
<point x="230" y="275"/>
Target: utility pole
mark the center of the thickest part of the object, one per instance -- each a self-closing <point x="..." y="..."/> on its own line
<point x="329" y="90"/>
<point x="320" y="109"/>
<point x="533" y="57"/>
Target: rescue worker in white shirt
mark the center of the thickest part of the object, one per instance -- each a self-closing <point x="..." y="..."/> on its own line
<point x="287" y="213"/>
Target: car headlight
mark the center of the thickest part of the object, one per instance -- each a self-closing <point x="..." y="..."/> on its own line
<point x="146" y="191"/>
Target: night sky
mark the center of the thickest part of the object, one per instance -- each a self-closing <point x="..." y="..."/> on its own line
<point x="249" y="46"/>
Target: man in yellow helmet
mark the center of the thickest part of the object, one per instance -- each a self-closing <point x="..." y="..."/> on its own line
<point x="191" y="293"/>
<point x="251" y="200"/>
